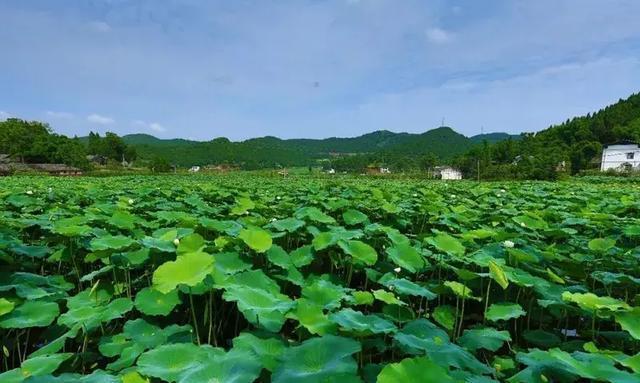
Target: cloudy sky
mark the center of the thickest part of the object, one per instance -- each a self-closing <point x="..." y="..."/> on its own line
<point x="313" y="68"/>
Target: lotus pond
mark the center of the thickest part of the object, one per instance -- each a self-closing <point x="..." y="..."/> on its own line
<point x="244" y="278"/>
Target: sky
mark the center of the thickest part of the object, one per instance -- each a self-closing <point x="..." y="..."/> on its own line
<point x="312" y="68"/>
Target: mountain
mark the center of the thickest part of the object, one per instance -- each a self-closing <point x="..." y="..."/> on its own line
<point x="573" y="146"/>
<point x="494" y="137"/>
<point x="268" y="151"/>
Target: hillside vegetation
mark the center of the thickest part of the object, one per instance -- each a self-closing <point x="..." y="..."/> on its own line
<point x="443" y="143"/>
<point x="577" y="143"/>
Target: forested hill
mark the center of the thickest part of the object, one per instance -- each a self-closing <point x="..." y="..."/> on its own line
<point x="577" y="143"/>
<point x="442" y="142"/>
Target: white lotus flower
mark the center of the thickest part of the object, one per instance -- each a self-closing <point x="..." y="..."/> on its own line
<point x="523" y="224"/>
<point x="415" y="194"/>
<point x="508" y="244"/>
<point x="453" y="196"/>
<point x="273" y="219"/>
<point x="130" y="201"/>
<point x="397" y="269"/>
<point x="176" y="241"/>
<point x="50" y="190"/>
<point x="502" y="191"/>
<point x="391" y="288"/>
<point x="277" y="197"/>
<point x="29" y="192"/>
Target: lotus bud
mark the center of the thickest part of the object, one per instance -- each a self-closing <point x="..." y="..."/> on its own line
<point x="29" y="192"/>
<point x="176" y="241"/>
<point x="397" y="269"/>
<point x="130" y="201"/>
<point x="508" y="244"/>
<point x="523" y="224"/>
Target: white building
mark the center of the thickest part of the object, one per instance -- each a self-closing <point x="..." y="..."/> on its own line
<point x="623" y="155"/>
<point x="194" y="169"/>
<point x="447" y="173"/>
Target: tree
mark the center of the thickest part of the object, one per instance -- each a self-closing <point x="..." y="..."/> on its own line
<point x="160" y="164"/>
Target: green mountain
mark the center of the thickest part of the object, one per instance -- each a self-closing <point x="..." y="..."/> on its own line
<point x="573" y="146"/>
<point x="269" y="151"/>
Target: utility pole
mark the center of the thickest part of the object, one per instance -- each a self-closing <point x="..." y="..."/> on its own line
<point x="481" y="133"/>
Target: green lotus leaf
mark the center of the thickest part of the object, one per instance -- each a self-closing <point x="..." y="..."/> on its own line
<point x="406" y="287"/>
<point x="256" y="238"/>
<point x="423" y="337"/>
<point x="541" y="338"/>
<point x="153" y="302"/>
<point x="357" y="322"/>
<point x="266" y="350"/>
<point x="170" y="362"/>
<point x="91" y="276"/>
<point x="387" y="297"/>
<point x="360" y="251"/>
<point x="504" y="311"/>
<point x="163" y="245"/>
<point x="302" y="256"/>
<point x="354" y="217"/>
<point x="237" y="366"/>
<point x="260" y="307"/>
<point x="6" y="306"/>
<point x="406" y="256"/>
<point x="497" y="274"/>
<point x="324" y="240"/>
<point x="592" y="302"/>
<point x="31" y="251"/>
<point x="288" y="224"/>
<point x="448" y="244"/>
<point x="43" y="365"/>
<point x="487" y="338"/>
<point x="31" y="314"/>
<point x="362" y="298"/>
<point x="601" y="244"/>
<point x="530" y="222"/>
<point x="279" y="257"/>
<point x="111" y="242"/>
<point x="188" y="269"/>
<point x="133" y="377"/>
<point x="461" y="290"/>
<point x="92" y="314"/>
<point x="324" y="293"/>
<point x="123" y="220"/>
<point x="420" y="369"/>
<point x="192" y="243"/>
<point x="630" y="321"/>
<point x="319" y="360"/>
<point x="609" y="278"/>
<point x="231" y="228"/>
<point x="242" y="206"/>
<point x="314" y="214"/>
<point x="312" y="317"/>
<point x="445" y="315"/>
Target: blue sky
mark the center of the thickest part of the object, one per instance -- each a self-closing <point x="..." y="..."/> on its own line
<point x="311" y="68"/>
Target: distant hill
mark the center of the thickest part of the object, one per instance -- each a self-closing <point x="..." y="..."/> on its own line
<point x="573" y="146"/>
<point x="444" y="142"/>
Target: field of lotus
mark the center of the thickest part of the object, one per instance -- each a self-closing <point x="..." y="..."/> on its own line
<point x="244" y="278"/>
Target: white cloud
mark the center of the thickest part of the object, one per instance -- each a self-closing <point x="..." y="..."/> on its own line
<point x="60" y="115"/>
<point x="4" y="115"/>
<point x="101" y="120"/>
<point x="99" y="26"/>
<point x="154" y="126"/>
<point x="438" y="35"/>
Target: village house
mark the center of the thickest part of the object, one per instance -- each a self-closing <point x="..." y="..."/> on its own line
<point x="447" y="173"/>
<point x="377" y="170"/>
<point x="621" y="156"/>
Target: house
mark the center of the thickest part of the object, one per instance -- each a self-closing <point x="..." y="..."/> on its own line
<point x="194" y="169"/>
<point x="97" y="159"/>
<point x="447" y="173"/>
<point x="56" y="169"/>
<point x="52" y="169"/>
<point x="371" y="169"/>
<point x="621" y="156"/>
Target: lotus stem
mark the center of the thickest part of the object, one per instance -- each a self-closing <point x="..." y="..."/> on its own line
<point x="486" y="302"/>
<point x="193" y="315"/>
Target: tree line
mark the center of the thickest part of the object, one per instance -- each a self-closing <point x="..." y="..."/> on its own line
<point x="35" y="142"/>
